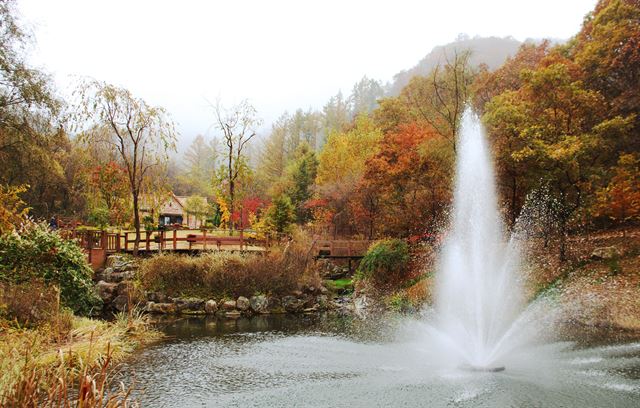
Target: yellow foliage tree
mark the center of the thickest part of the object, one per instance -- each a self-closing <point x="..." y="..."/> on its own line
<point x="12" y="209"/>
<point x="342" y="164"/>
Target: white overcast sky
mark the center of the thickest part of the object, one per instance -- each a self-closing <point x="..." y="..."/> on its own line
<point x="281" y="55"/>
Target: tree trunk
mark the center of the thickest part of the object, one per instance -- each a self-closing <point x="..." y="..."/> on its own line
<point x="563" y="240"/>
<point x="136" y="223"/>
<point x="232" y="189"/>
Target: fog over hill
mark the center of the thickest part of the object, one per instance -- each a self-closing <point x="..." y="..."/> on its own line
<point x="492" y="51"/>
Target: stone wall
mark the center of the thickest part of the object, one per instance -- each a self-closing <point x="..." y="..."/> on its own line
<point x="116" y="287"/>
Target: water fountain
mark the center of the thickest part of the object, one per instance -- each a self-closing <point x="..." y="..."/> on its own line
<point x="478" y="297"/>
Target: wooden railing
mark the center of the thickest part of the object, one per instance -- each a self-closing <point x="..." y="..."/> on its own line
<point x="164" y="240"/>
<point x="91" y="239"/>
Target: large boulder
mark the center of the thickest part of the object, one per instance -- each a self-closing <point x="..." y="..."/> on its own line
<point x="105" y="274"/>
<point x="243" y="304"/>
<point x="122" y="276"/>
<point x="292" y="304"/>
<point x="113" y="260"/>
<point x="210" y="307"/>
<point x="229" y="305"/>
<point x="189" y="305"/>
<point x="121" y="303"/>
<point x="106" y="291"/>
<point x="259" y="304"/>
<point x="274" y="305"/>
<point x="157" y="297"/>
<point x="160" y="308"/>
<point x="119" y="263"/>
<point x="605" y="253"/>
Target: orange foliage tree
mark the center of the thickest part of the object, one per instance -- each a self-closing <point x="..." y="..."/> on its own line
<point x="619" y="200"/>
<point x="406" y="185"/>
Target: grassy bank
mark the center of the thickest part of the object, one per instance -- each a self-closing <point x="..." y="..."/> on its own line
<point x="594" y="291"/>
<point x="589" y="290"/>
<point x="67" y="360"/>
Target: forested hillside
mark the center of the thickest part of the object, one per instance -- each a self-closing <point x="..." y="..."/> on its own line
<point x="562" y="119"/>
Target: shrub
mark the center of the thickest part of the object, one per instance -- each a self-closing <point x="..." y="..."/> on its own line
<point x="30" y="304"/>
<point x="385" y="263"/>
<point x="36" y="253"/>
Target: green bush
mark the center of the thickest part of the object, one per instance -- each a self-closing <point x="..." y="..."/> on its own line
<point x="149" y="223"/>
<point x="36" y="253"/>
<point x="385" y="263"/>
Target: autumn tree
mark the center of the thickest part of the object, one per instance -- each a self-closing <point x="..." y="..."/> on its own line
<point x="278" y="218"/>
<point x="488" y="84"/>
<point x="365" y="95"/>
<point x="336" y="115"/>
<point x="406" y="186"/>
<point x="302" y="128"/>
<point x="341" y="165"/>
<point x="200" y="163"/>
<point x="440" y="98"/>
<point x="12" y="209"/>
<point x="552" y="131"/>
<point x="32" y="143"/>
<point x="110" y="183"/>
<point x="273" y="158"/>
<point x="608" y="49"/>
<point x="198" y="207"/>
<point x="619" y="200"/>
<point x="141" y="134"/>
<point x="238" y="126"/>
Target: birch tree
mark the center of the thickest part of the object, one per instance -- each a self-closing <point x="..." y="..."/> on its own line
<point x="141" y="134"/>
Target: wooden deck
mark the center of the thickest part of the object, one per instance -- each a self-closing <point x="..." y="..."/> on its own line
<point x="99" y="244"/>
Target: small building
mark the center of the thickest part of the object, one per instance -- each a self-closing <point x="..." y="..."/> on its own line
<point x="173" y="212"/>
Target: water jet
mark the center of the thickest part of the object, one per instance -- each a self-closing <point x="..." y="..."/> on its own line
<point x="478" y="293"/>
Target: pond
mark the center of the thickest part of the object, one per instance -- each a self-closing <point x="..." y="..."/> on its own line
<point x="334" y="361"/>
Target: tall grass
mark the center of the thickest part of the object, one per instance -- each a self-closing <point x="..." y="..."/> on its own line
<point x="62" y="387"/>
<point x="279" y="271"/>
<point x="38" y="367"/>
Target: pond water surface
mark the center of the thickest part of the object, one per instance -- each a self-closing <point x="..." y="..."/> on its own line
<point x="331" y="361"/>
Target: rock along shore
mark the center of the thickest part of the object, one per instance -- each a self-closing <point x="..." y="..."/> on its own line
<point x="116" y="287"/>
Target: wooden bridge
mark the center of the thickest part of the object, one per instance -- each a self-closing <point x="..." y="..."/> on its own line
<point x="340" y="249"/>
<point x="349" y="250"/>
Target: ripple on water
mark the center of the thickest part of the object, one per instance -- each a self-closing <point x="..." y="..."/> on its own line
<point x="311" y="366"/>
